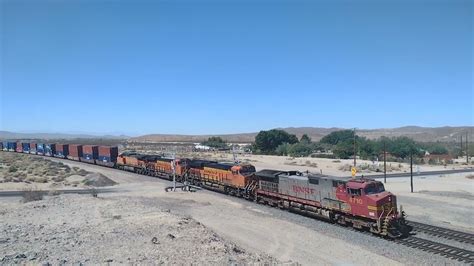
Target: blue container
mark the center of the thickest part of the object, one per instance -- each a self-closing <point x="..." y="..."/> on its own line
<point x="40" y="148"/>
<point x="88" y="156"/>
<point x="105" y="159"/>
<point x="62" y="150"/>
<point x="49" y="149"/>
<point x="11" y="146"/>
<point x="25" y="147"/>
<point x="5" y="145"/>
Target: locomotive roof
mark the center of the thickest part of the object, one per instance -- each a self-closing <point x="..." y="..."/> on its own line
<point x="200" y="163"/>
<point x="269" y="173"/>
<point x="130" y="153"/>
<point x="221" y="166"/>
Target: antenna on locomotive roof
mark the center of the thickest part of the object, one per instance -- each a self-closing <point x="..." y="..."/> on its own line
<point x="234" y="154"/>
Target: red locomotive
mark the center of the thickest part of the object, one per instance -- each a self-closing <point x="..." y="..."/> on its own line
<point x="361" y="203"/>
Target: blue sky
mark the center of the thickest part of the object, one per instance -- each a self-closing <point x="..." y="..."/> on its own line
<point x="195" y="67"/>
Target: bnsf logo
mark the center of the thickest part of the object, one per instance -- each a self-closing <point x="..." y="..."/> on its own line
<point x="306" y="190"/>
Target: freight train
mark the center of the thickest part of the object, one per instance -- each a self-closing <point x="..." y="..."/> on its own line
<point x="361" y="203"/>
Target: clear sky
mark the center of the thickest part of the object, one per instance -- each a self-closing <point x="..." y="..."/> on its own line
<point x="194" y="67"/>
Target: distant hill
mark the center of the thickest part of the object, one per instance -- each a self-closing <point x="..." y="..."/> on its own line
<point x="14" y="135"/>
<point x="424" y="134"/>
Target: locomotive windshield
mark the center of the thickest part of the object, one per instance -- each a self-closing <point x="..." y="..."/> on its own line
<point x="374" y="188"/>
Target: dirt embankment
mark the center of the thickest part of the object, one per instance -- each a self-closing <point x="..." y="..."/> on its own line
<point x="20" y="171"/>
<point x="76" y="229"/>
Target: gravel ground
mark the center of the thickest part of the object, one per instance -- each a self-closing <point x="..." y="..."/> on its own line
<point x="72" y="229"/>
<point x="262" y="229"/>
<point x="354" y="238"/>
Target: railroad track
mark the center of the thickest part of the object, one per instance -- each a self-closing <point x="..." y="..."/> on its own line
<point x="443" y="232"/>
<point x="447" y="251"/>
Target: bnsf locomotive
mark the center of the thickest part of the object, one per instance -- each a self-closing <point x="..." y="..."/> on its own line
<point x="360" y="203"/>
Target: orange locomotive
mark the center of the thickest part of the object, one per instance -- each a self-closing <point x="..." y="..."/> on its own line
<point x="228" y="178"/>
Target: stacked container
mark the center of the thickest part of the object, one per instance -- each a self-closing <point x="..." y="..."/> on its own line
<point x="90" y="153"/>
<point x="62" y="151"/>
<point x="18" y="147"/>
<point x="12" y="146"/>
<point x="32" y="148"/>
<point x="40" y="149"/>
<point x="49" y="149"/>
<point x="5" y="145"/>
<point x="107" y="156"/>
<point x="1" y="146"/>
<point x="25" y="147"/>
<point x="75" y="152"/>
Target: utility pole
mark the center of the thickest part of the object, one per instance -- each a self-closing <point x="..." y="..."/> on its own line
<point x="384" y="161"/>
<point x="355" y="147"/>
<point x="461" y="146"/>
<point x="411" y="171"/>
<point x="467" y="150"/>
<point x="173" y="167"/>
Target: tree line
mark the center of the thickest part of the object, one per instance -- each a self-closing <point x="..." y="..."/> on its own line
<point x="341" y="145"/>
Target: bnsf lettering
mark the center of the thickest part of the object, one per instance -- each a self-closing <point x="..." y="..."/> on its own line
<point x="305" y="190"/>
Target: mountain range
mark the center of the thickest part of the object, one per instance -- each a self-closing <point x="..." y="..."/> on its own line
<point x="424" y="134"/>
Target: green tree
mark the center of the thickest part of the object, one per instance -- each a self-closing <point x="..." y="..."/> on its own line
<point x="338" y="136"/>
<point x="402" y="147"/>
<point x="301" y="149"/>
<point x="344" y="149"/>
<point x="267" y="141"/>
<point x="305" y="139"/>
<point x="215" y="142"/>
<point x="283" y="149"/>
<point x="437" y="149"/>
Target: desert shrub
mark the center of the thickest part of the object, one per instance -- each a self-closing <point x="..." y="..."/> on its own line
<point x="470" y="176"/>
<point x="82" y="172"/>
<point x="325" y="156"/>
<point x="41" y="180"/>
<point x="58" y="178"/>
<point x="31" y="195"/>
<point x="12" y="169"/>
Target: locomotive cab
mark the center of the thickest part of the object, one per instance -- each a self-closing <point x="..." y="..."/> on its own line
<point x="368" y="198"/>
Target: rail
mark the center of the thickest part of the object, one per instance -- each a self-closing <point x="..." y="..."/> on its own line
<point x="446" y="233"/>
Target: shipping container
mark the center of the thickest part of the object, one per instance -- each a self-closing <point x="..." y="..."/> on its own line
<point x="25" y="147"/>
<point x="107" y="156"/>
<point x="12" y="146"/>
<point x="40" y="149"/>
<point x="19" y="147"/>
<point x="5" y="145"/>
<point x="75" y="152"/>
<point x="1" y="146"/>
<point x="49" y="149"/>
<point x="62" y="150"/>
<point x="90" y="153"/>
<point x="32" y="147"/>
